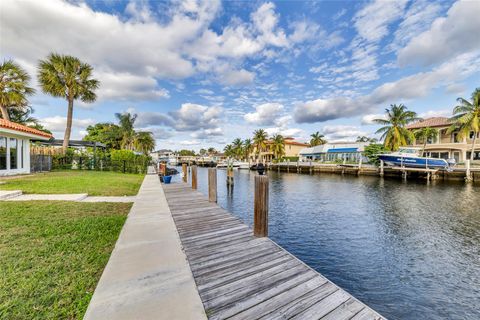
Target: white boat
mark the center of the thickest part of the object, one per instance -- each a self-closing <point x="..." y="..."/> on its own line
<point x="410" y="157"/>
<point x="243" y="165"/>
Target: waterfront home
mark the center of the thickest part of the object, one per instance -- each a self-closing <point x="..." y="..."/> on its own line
<point x="292" y="150"/>
<point x="335" y="151"/>
<point x="15" y="147"/>
<point x="445" y="145"/>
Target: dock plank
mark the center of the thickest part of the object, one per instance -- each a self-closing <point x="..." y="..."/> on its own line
<point x="239" y="276"/>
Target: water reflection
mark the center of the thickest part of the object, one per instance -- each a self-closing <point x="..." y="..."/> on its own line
<point x="410" y="250"/>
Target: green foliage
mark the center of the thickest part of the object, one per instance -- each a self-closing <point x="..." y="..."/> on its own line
<point x="393" y="131"/>
<point x="106" y="133"/>
<point x="372" y="151"/>
<point x="186" y="153"/>
<point x="53" y="254"/>
<point x="366" y="139"/>
<point x="317" y="139"/>
<point x="14" y="88"/>
<point x="278" y="145"/>
<point x="122" y="155"/>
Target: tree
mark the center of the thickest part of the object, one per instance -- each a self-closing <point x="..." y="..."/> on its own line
<point x="247" y="148"/>
<point x="278" y="146"/>
<point x="14" y="88"/>
<point x="237" y="147"/>
<point x="107" y="133"/>
<point x="393" y="131"/>
<point x="372" y="151"/>
<point x="366" y="139"/>
<point x="202" y="152"/>
<point x="67" y="77"/>
<point x="126" y="122"/>
<point x="466" y="118"/>
<point x="260" y="139"/>
<point x="317" y="139"/>
<point x="211" y="151"/>
<point x="144" y="142"/>
<point x="425" y="134"/>
<point x="185" y="153"/>
<point x="228" y="150"/>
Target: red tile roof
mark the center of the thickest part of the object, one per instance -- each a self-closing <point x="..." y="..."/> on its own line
<point x="290" y="141"/>
<point x="430" y="122"/>
<point x="21" y="128"/>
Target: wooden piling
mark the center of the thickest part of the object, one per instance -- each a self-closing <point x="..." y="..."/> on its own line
<point x="381" y="168"/>
<point x="260" y="216"/>
<point x="230" y="175"/>
<point x="194" y="177"/>
<point x="212" y="185"/>
<point x="185" y="173"/>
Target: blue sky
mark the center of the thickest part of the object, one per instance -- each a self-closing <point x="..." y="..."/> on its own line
<point x="201" y="73"/>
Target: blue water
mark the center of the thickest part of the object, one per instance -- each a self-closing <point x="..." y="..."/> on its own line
<point x="409" y="250"/>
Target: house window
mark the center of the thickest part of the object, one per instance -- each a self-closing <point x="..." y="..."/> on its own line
<point x="13" y="153"/>
<point x="455" y="137"/>
<point x="3" y="153"/>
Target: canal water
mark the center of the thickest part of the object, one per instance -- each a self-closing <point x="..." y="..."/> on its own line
<point x="409" y="250"/>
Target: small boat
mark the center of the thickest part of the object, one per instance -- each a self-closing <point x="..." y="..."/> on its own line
<point x="410" y="157"/>
<point x="243" y="165"/>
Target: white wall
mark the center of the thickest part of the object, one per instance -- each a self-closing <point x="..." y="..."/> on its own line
<point x="21" y="152"/>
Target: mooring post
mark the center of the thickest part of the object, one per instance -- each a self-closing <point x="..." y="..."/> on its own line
<point x="185" y="173"/>
<point x="194" y="177"/>
<point x="381" y="168"/>
<point x="230" y="174"/>
<point x="311" y="167"/>
<point x="260" y="215"/>
<point x="468" y="175"/>
<point x="359" y="165"/>
<point x="212" y="185"/>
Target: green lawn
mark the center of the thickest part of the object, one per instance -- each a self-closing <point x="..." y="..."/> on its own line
<point x="52" y="255"/>
<point x="95" y="183"/>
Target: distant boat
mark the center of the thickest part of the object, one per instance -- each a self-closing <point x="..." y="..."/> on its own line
<point x="243" y="165"/>
<point x="410" y="157"/>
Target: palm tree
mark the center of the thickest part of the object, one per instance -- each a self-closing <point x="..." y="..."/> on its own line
<point x="466" y="118"/>
<point x="260" y="139"/>
<point x="278" y="146"/>
<point x="247" y="148"/>
<point x="144" y="142"/>
<point x="126" y="121"/>
<point x="228" y="150"/>
<point x="237" y="146"/>
<point x="211" y="151"/>
<point x="425" y="134"/>
<point x="317" y="139"/>
<point x="67" y="77"/>
<point x="14" y="87"/>
<point x="393" y="131"/>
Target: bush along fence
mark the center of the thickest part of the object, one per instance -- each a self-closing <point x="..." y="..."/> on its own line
<point x="101" y="164"/>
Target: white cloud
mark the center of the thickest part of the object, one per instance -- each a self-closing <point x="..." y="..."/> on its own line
<point x="436" y="113"/>
<point x="369" y="118"/>
<point x="265" y="20"/>
<point x="265" y="114"/>
<point x="59" y="123"/>
<point x="321" y="110"/>
<point x="447" y="37"/>
<point x="189" y="142"/>
<point x="342" y="133"/>
<point x="236" y="77"/>
<point x="373" y="20"/>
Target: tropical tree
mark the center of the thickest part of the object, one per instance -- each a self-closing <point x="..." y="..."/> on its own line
<point x="126" y="122"/>
<point x="394" y="133"/>
<point x="247" y="148"/>
<point x="24" y="116"/>
<point x="202" y="152"/>
<point x="67" y="77"/>
<point x="211" y="150"/>
<point x="144" y="142"/>
<point x="237" y="146"/>
<point x="107" y="133"/>
<point x="14" y="88"/>
<point x="366" y="139"/>
<point x="466" y="118"/>
<point x="317" y="139"/>
<point x="260" y="140"/>
<point x="425" y="134"/>
<point x="278" y="146"/>
<point x="228" y="150"/>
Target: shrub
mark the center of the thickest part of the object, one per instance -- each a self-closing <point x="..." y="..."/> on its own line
<point x="372" y="151"/>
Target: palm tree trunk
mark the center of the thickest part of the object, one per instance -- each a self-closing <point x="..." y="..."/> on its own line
<point x="5" y="114"/>
<point x="424" y="146"/>
<point x="68" y="129"/>
<point x="473" y="146"/>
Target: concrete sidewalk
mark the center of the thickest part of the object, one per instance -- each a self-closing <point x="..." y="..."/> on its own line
<point x="147" y="276"/>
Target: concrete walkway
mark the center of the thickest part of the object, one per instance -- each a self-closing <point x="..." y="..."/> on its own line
<point x="147" y="276"/>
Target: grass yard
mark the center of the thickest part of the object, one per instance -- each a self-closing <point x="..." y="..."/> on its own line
<point x="95" y="183"/>
<point x="52" y="255"/>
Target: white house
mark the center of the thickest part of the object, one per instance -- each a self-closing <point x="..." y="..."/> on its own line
<point x="350" y="151"/>
<point x="15" y="147"/>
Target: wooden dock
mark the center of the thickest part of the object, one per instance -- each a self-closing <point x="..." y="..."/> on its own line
<point x="239" y="276"/>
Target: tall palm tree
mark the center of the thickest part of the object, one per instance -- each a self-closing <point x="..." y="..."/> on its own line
<point x="393" y="131"/>
<point x="14" y="87"/>
<point x="247" y="148"/>
<point x="126" y="122"/>
<point x="278" y="146"/>
<point x="67" y="77"/>
<point x="144" y="142"/>
<point x="317" y="139"/>
<point x="237" y="146"/>
<point x="425" y="134"/>
<point x="466" y="118"/>
<point x="260" y="141"/>
<point x="228" y="150"/>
